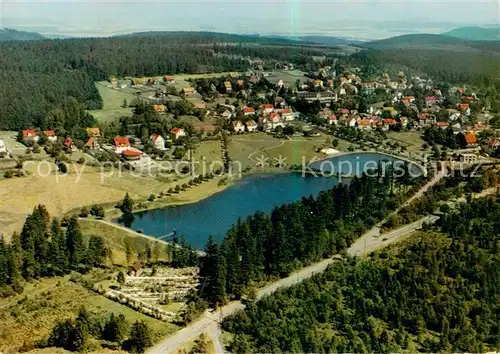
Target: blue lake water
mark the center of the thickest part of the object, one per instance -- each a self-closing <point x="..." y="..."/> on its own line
<point x="257" y="192"/>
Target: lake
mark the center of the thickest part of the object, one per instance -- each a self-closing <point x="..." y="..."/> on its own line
<point x="257" y="192"/>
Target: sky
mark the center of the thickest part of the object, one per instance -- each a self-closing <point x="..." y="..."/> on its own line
<point x="368" y="19"/>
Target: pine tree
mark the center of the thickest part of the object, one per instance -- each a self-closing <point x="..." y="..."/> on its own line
<point x="115" y="328"/>
<point x="62" y="335"/>
<point x="82" y="331"/>
<point x="127" y="205"/>
<point x="140" y="337"/>
<point x="74" y="242"/>
<point x="58" y="250"/>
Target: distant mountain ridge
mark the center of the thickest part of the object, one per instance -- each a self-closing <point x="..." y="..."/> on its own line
<point x="475" y="33"/>
<point x="434" y="42"/>
<point x="7" y="34"/>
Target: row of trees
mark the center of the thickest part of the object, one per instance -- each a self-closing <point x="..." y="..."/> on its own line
<point x="293" y="235"/>
<point x="44" y="248"/>
<point x="76" y="335"/>
<point x="440" y="293"/>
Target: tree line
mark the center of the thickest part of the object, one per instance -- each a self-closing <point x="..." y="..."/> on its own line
<point x="44" y="74"/>
<point x="438" y="293"/>
<point x="267" y="246"/>
<point x="44" y="248"/>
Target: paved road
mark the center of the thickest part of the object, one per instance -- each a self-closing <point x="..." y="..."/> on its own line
<point x="369" y="242"/>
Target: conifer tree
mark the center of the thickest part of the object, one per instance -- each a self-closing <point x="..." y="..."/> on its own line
<point x="74" y="243"/>
<point x="140" y="337"/>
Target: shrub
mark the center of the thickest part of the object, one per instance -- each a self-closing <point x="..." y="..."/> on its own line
<point x="81" y="161"/>
<point x="151" y="197"/>
<point x="8" y="174"/>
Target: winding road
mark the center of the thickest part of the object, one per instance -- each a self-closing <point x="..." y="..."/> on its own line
<point x="370" y="241"/>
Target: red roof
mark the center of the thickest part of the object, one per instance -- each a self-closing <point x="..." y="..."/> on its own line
<point x="29" y="132"/>
<point x="131" y="153"/>
<point x="121" y="141"/>
<point x="168" y="78"/>
<point x="424" y="116"/>
<point x="430" y="98"/>
<point x="49" y="133"/>
<point x="344" y="111"/>
<point x="389" y="121"/>
<point x="274" y="116"/>
<point x="248" y="110"/>
<point x="251" y="123"/>
<point x="364" y="122"/>
<point x="176" y="131"/>
<point x="68" y="142"/>
<point x="154" y="136"/>
<point x="468" y="98"/>
<point x="286" y="111"/>
<point x="332" y="117"/>
<point x="463" y="106"/>
<point x="90" y="142"/>
<point x="442" y="124"/>
<point x="470" y="138"/>
<point x="200" y="106"/>
<point x="267" y="106"/>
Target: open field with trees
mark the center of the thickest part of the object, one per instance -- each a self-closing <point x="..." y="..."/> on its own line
<point x="112" y="103"/>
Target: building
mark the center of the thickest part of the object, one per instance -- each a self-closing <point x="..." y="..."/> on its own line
<point x="169" y="79"/>
<point x="120" y="144"/>
<point x="95" y="132"/>
<point x="159" y="108"/>
<point x="238" y="127"/>
<point x="227" y="114"/>
<point x="248" y="111"/>
<point x="3" y="147"/>
<point x="467" y="158"/>
<point x="430" y="100"/>
<point x="50" y="135"/>
<point x="92" y="143"/>
<point x="333" y="120"/>
<point x="363" y="124"/>
<point x="68" y="144"/>
<point x="188" y="91"/>
<point x="466" y="140"/>
<point x="177" y="133"/>
<point x="227" y="85"/>
<point x="318" y="83"/>
<point x="131" y="155"/>
<point x="442" y="125"/>
<point x="324" y="97"/>
<point x="158" y="141"/>
<point x="287" y="114"/>
<point x="266" y="108"/>
<point x="30" y="136"/>
<point x="251" y="126"/>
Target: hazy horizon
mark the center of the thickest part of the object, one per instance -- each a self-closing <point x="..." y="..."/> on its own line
<point x="362" y="20"/>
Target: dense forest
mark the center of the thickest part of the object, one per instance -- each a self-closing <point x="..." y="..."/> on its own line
<point x="44" y="249"/>
<point x="292" y="235"/>
<point x="438" y="293"/>
<point x="41" y="75"/>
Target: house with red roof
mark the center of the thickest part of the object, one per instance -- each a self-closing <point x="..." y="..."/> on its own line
<point x="50" y="135"/>
<point x="466" y="140"/>
<point x="30" y="136"/>
<point x="266" y="108"/>
<point x="158" y="141"/>
<point x="238" y="126"/>
<point x="68" y="144"/>
<point x="465" y="108"/>
<point x="442" y="125"/>
<point x="251" y="126"/>
<point x="131" y="155"/>
<point x="159" y="108"/>
<point x="120" y="144"/>
<point x="287" y="114"/>
<point x="363" y="124"/>
<point x="430" y="100"/>
<point x="188" y="91"/>
<point x="169" y="79"/>
<point x="176" y="133"/>
<point x="332" y="119"/>
<point x="92" y="143"/>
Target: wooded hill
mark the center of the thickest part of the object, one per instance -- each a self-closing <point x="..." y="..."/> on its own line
<point x="8" y="34"/>
<point x="439" y="293"/>
<point x="40" y="75"/>
<point x="442" y="58"/>
<point x="475" y="33"/>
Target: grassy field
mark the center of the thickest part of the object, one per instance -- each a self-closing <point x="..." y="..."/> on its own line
<point x="10" y="139"/>
<point x="29" y="317"/>
<point x="289" y="77"/>
<point x="240" y="147"/>
<point x="112" y="101"/>
<point x="61" y="194"/>
<point x="298" y="150"/>
<point x="116" y="239"/>
<point x="411" y="139"/>
<point x="210" y="152"/>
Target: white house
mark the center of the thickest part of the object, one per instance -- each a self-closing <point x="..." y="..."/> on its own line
<point x="177" y="133"/>
<point x="238" y="127"/>
<point x="3" y="148"/>
<point x="266" y="108"/>
<point x="158" y="141"/>
<point x="121" y="144"/>
<point x="251" y="126"/>
<point x="332" y="120"/>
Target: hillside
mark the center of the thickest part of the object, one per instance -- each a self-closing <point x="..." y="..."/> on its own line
<point x="421" y="41"/>
<point x="8" y="34"/>
<point x="475" y="33"/>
